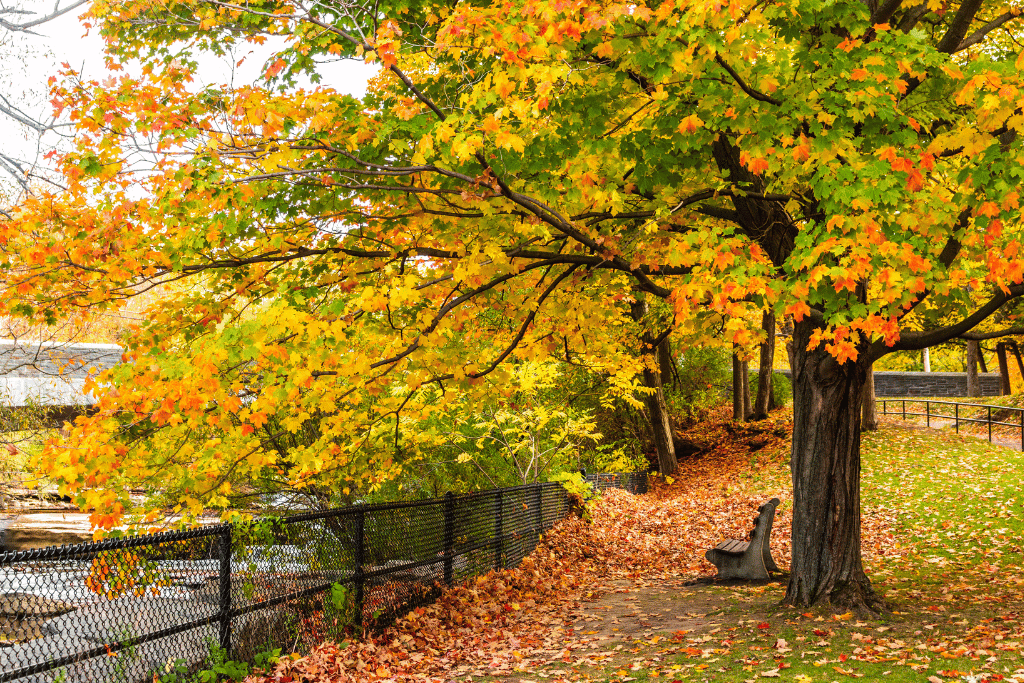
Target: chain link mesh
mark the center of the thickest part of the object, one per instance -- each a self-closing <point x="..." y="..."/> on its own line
<point x="129" y="609"/>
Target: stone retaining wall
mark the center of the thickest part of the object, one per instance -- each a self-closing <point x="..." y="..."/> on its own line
<point x="889" y="383"/>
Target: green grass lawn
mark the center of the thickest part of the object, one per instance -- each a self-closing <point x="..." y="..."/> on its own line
<point x="952" y="571"/>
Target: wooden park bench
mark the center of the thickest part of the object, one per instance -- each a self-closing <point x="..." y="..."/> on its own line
<point x="748" y="559"/>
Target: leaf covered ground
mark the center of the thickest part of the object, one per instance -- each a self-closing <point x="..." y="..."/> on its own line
<point x="616" y="599"/>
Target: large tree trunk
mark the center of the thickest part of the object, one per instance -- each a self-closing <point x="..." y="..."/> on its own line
<point x="869" y="416"/>
<point x="973" y="383"/>
<point x="825" y="463"/>
<point x="762" y="404"/>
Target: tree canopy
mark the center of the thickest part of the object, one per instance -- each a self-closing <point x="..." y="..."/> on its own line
<point x="518" y="176"/>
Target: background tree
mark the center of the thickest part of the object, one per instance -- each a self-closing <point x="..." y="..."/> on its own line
<point x="31" y="130"/>
<point x="546" y="163"/>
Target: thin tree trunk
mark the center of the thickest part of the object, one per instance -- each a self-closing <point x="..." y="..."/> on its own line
<point x="981" y="358"/>
<point x="661" y="424"/>
<point x="869" y="416"/>
<point x="748" y="411"/>
<point x="926" y="359"/>
<point x="825" y="463"/>
<point x="737" y="388"/>
<point x="763" y="403"/>
<point x="657" y="410"/>
<point x="973" y="383"/>
<point x="666" y="363"/>
<point x="1016" y="354"/>
<point x="1004" y="370"/>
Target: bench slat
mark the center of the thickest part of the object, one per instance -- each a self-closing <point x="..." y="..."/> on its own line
<point x="733" y="547"/>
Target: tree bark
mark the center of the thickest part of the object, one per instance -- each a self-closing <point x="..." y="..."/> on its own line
<point x="737" y="388"/>
<point x="825" y="463"/>
<point x="869" y="416"/>
<point x="661" y="424"/>
<point x="926" y="359"/>
<point x="745" y="371"/>
<point x="1016" y="354"/>
<point x="657" y="410"/>
<point x="1004" y="370"/>
<point x="973" y="383"/>
<point x="763" y="402"/>
<point x="666" y="363"/>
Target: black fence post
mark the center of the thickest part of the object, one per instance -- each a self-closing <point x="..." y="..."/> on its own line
<point x="538" y="494"/>
<point x="225" y="589"/>
<point x="357" y="575"/>
<point x="499" y="531"/>
<point x="449" y="537"/>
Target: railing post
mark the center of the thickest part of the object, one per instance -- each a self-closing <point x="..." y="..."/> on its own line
<point x="904" y="409"/>
<point x="956" y="417"/>
<point x="990" y="424"/>
<point x="499" y="531"/>
<point x="357" y="575"/>
<point x="449" y="536"/>
<point x="225" y="589"/>
<point x="927" y="413"/>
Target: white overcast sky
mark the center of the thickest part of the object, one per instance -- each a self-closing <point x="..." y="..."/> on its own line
<point x="27" y="61"/>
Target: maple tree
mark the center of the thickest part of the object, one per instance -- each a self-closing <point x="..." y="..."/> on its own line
<point x="517" y="179"/>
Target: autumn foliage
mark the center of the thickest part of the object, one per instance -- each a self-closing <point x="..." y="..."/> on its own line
<point x="523" y="180"/>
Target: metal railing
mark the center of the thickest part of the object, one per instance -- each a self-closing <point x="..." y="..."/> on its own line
<point x="956" y="417"/>
<point x="132" y="609"/>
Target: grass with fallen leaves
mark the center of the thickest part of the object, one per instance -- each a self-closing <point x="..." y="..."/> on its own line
<point x="942" y="529"/>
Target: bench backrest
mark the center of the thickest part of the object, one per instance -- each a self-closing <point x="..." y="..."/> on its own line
<point x="763" y="523"/>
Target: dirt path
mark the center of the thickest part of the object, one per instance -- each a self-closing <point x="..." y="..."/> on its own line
<point x="629" y="616"/>
<point x="633" y="610"/>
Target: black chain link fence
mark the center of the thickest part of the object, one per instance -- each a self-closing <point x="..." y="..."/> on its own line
<point x="128" y="609"/>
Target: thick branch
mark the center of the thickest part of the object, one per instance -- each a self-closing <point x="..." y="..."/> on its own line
<point x="959" y="27"/>
<point x="915" y="341"/>
<point x="883" y="13"/>
<point x="980" y="34"/>
<point x="982" y="336"/>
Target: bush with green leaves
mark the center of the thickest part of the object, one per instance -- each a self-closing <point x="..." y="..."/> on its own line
<point x="703" y="380"/>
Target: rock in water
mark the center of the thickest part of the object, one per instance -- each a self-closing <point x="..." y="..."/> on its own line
<point x="26" y="605"/>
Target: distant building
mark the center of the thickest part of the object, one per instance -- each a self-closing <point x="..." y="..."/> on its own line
<point x="51" y="373"/>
